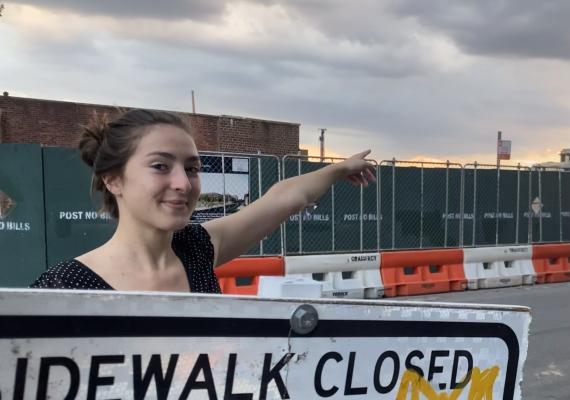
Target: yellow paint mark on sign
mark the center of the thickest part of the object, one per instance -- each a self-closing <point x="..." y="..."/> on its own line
<point x="413" y="385"/>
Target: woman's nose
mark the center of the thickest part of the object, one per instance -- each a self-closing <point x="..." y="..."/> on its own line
<point x="180" y="181"/>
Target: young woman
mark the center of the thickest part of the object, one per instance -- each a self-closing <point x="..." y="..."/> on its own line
<point x="146" y="165"/>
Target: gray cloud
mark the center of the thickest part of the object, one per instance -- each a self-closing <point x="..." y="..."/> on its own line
<point x="168" y="10"/>
<point x="372" y="74"/>
<point x="514" y="28"/>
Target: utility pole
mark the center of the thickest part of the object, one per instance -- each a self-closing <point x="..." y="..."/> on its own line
<point x="499" y="134"/>
<point x="193" y="103"/>
<point x="322" y="140"/>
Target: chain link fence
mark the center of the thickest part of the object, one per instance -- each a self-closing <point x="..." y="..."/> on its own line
<point x="413" y="204"/>
<point x="345" y="218"/>
<point x="420" y="204"/>
<point x="549" y="210"/>
<point x="496" y="205"/>
<point x="231" y="181"/>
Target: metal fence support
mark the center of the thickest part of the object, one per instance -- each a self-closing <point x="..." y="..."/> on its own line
<point x="361" y="218"/>
<point x="393" y="203"/>
<point x="300" y="214"/>
<point x="462" y="207"/>
<point x="560" y="203"/>
<point x="518" y="203"/>
<point x="259" y="193"/>
<point x="497" y="206"/>
<point x="333" y="239"/>
<point x="540" y="200"/>
<point x="378" y="206"/>
<point x="421" y="205"/>
<point x="474" y="201"/>
<point x="224" y="183"/>
<point x="446" y="203"/>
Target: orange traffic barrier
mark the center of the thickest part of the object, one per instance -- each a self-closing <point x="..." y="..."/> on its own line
<point x="241" y="275"/>
<point x="406" y="273"/>
<point x="551" y="262"/>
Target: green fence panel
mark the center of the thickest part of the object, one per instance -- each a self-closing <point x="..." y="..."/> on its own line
<point x="550" y="198"/>
<point x="535" y="208"/>
<point x="524" y="210"/>
<point x="407" y="222"/>
<point x="264" y="173"/>
<point x="291" y="167"/>
<point x="454" y="208"/>
<point x="507" y="212"/>
<point x="386" y="173"/>
<point x="316" y="226"/>
<point x="565" y="202"/>
<point x="468" y="206"/>
<point x="355" y="217"/>
<point x="441" y="213"/>
<point x="22" y="230"/>
<point x="73" y="224"/>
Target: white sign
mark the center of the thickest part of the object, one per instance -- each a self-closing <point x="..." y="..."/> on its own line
<point x="504" y="149"/>
<point x="113" y="345"/>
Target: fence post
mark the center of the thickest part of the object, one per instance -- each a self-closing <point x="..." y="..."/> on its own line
<point x="300" y="212"/>
<point x="378" y="205"/>
<point x="393" y="203"/>
<point x="518" y="203"/>
<point x="462" y="207"/>
<point x="540" y="200"/>
<point x="224" y="183"/>
<point x="474" y="201"/>
<point x="446" y="203"/>
<point x="560" y="203"/>
<point x="497" y="206"/>
<point x="259" y="192"/>
<point x="421" y="205"/>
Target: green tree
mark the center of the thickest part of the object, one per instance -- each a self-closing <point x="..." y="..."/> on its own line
<point x="1" y="8"/>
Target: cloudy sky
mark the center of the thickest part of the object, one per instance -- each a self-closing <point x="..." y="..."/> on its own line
<point x="406" y="78"/>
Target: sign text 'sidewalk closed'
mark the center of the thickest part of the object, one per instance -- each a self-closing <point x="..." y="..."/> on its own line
<point x="88" y="345"/>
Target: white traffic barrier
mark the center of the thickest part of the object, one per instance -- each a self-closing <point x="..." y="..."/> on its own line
<point x="286" y="286"/>
<point x="353" y="276"/>
<point x="492" y="267"/>
<point x="108" y="345"/>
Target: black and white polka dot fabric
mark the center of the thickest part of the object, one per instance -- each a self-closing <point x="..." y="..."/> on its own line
<point x="192" y="245"/>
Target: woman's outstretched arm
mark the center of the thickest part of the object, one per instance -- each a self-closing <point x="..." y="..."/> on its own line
<point x="234" y="234"/>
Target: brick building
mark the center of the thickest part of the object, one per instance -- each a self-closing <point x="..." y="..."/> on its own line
<point x="57" y="123"/>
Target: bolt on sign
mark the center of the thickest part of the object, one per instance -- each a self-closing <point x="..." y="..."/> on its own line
<point x="94" y="345"/>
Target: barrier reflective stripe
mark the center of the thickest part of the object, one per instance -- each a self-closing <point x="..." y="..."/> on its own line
<point x="493" y="267"/>
<point x="343" y="275"/>
<point x="407" y="273"/>
<point x="241" y="275"/>
<point x="551" y="262"/>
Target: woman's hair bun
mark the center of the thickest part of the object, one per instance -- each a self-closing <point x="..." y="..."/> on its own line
<point x="92" y="137"/>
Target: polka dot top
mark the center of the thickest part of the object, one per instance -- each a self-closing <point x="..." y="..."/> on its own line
<point x="191" y="244"/>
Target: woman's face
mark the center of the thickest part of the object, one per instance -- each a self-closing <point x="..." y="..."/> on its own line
<point x="160" y="184"/>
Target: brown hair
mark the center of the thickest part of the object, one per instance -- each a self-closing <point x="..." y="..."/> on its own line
<point x="106" y="146"/>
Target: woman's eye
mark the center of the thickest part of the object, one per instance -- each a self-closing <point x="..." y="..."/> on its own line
<point x="160" y="167"/>
<point x="192" y="170"/>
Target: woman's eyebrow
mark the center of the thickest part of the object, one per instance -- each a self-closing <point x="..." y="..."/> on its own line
<point x="171" y="156"/>
<point x="162" y="154"/>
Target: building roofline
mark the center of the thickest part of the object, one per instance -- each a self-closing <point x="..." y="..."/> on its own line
<point x="147" y="108"/>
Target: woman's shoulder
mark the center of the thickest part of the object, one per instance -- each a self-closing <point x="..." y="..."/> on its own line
<point x="69" y="274"/>
<point x="192" y="231"/>
<point x="193" y="237"/>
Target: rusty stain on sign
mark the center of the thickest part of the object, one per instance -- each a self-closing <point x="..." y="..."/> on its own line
<point x="6" y="205"/>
